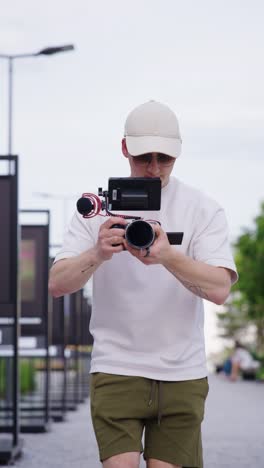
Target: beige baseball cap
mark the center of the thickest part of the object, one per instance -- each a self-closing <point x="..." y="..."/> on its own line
<point x="153" y="127"/>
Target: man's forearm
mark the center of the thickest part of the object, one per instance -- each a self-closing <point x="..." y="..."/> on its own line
<point x="71" y="274"/>
<point x="203" y="280"/>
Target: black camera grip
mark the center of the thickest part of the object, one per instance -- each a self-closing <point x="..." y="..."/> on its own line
<point x="175" y="238"/>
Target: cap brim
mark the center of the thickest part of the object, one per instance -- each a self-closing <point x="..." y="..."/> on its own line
<point x="137" y="145"/>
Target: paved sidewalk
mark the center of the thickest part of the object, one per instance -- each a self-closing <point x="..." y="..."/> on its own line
<point x="233" y="432"/>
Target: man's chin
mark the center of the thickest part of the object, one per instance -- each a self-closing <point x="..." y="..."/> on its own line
<point x="164" y="182"/>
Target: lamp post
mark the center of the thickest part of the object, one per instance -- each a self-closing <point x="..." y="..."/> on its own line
<point x="10" y="59"/>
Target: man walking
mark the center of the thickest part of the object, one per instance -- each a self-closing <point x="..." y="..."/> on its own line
<point x="148" y="369"/>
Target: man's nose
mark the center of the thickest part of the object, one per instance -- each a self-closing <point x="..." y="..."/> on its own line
<point x="153" y="167"/>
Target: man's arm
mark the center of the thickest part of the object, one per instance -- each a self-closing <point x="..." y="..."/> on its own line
<point x="206" y="281"/>
<point x="71" y="274"/>
<point x="203" y="280"/>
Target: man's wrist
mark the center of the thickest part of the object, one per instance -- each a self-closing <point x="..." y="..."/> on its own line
<point x="171" y="257"/>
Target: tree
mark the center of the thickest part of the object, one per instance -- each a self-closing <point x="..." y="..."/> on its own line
<point x="246" y="306"/>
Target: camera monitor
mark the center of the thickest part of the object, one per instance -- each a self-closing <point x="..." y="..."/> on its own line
<point x="134" y="193"/>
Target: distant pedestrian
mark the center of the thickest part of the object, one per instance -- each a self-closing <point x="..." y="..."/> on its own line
<point x="242" y="361"/>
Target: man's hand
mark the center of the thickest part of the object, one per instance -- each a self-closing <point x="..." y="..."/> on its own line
<point x="158" y="251"/>
<point x="108" y="237"/>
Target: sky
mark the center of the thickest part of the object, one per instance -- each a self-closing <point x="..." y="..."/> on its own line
<point x="203" y="59"/>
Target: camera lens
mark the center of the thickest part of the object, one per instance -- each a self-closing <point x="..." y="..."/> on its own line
<point x="140" y="234"/>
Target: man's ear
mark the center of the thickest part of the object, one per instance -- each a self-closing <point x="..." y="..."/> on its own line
<point x="124" y="148"/>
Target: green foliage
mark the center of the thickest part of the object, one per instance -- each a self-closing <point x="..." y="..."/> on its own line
<point x="2" y="377"/>
<point x="27" y="376"/>
<point x="260" y="374"/>
<point x="246" y="307"/>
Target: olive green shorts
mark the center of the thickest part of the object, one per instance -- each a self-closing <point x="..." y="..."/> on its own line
<point x="170" y="412"/>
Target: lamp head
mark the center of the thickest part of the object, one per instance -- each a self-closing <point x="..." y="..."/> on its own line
<point x="55" y="50"/>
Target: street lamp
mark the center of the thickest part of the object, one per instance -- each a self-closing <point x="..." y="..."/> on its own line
<point x="11" y="58"/>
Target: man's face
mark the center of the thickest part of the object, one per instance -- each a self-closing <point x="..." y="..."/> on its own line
<point x="150" y="165"/>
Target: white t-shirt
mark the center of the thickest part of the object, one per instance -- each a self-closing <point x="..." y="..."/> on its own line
<point x="144" y="321"/>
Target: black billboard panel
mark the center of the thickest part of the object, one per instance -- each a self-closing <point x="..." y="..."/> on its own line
<point x="8" y="245"/>
<point x="74" y="324"/>
<point x="58" y="328"/>
<point x="34" y="266"/>
<point x="28" y="269"/>
<point x="9" y="303"/>
<point x="86" y="337"/>
<point x="5" y="228"/>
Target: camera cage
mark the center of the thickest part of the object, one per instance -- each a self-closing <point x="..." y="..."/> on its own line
<point x="126" y="194"/>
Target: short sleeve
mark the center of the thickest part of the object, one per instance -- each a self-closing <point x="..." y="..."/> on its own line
<point x="210" y="242"/>
<point x="78" y="237"/>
